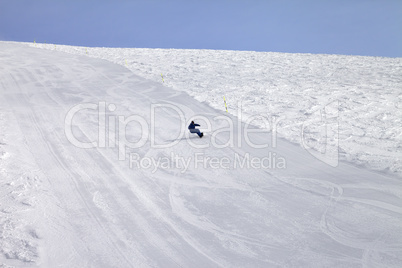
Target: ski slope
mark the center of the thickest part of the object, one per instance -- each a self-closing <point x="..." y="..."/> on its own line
<point x="289" y="88"/>
<point x="144" y="194"/>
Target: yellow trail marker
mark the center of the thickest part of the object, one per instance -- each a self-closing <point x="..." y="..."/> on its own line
<point x="225" y="104"/>
<point x="163" y="81"/>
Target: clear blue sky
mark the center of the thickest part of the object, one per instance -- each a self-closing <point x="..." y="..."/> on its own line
<point x="351" y="27"/>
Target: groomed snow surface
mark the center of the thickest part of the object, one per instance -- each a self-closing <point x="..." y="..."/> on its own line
<point x="291" y="89"/>
<point x="98" y="170"/>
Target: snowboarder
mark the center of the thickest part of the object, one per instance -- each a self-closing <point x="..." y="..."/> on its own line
<point x="192" y="129"/>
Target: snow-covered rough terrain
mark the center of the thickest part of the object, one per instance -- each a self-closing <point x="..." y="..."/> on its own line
<point x="289" y="88"/>
<point x="95" y="171"/>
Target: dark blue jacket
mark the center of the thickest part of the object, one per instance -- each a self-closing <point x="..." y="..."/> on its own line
<point x="192" y="126"/>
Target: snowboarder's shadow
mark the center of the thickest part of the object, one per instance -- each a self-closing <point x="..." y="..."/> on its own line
<point x="185" y="138"/>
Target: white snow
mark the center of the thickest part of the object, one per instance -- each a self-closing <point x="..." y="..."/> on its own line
<point x="289" y="87"/>
<point x="181" y="201"/>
